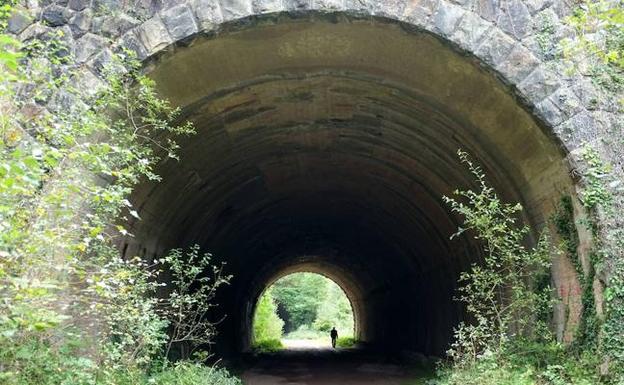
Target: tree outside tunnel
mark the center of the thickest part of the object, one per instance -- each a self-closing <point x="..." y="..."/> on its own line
<point x="302" y="306"/>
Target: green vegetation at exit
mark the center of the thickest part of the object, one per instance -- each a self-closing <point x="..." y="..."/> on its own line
<point x="302" y="306"/>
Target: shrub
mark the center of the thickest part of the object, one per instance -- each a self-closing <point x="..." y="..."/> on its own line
<point x="346" y="342"/>
<point x="193" y="374"/>
<point x="499" y="293"/>
<point x="268" y="345"/>
<point x="267" y="325"/>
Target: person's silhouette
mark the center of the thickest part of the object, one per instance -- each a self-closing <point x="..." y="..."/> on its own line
<point x="334" y="336"/>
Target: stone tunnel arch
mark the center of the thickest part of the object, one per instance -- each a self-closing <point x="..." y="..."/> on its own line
<point x="383" y="154"/>
<point x="335" y="135"/>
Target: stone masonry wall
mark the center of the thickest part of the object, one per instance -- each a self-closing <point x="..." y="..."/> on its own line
<point x="516" y="39"/>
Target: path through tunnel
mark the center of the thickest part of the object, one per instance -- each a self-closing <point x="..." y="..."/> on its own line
<point x="325" y="143"/>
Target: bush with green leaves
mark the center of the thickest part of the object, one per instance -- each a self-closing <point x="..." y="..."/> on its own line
<point x="499" y="293"/>
<point x="506" y="339"/>
<point x="72" y="311"/>
<point x="267" y="325"/>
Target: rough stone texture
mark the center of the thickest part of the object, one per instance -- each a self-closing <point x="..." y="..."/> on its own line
<point x="19" y="21"/>
<point x="470" y="31"/>
<point x="179" y="21"/>
<point x="55" y="15"/>
<point x="154" y="35"/>
<point x="233" y="9"/>
<point x="88" y="45"/>
<point x="80" y="23"/>
<point x="540" y="84"/>
<point x="447" y="17"/>
<point x="518" y="64"/>
<point x="208" y="13"/>
<point x="514" y="18"/>
<point x="495" y="48"/>
<point x="500" y="35"/>
<point x="78" y="5"/>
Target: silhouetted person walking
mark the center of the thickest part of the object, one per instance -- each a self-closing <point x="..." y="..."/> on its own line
<point x="334" y="337"/>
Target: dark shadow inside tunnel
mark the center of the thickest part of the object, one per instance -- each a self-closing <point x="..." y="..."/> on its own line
<point x="326" y="144"/>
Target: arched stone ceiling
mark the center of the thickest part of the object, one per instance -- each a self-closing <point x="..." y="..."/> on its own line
<point x="338" y="140"/>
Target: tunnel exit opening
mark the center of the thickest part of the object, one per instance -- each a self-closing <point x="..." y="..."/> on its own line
<point x="299" y="311"/>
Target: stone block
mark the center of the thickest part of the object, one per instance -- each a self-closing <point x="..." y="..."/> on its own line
<point x="495" y="47"/>
<point x="154" y="35"/>
<point x="329" y="5"/>
<point x="80" y="23"/>
<point x="179" y="21"/>
<point x="235" y="9"/>
<point x="420" y="13"/>
<point x="266" y="6"/>
<point x="78" y="5"/>
<point x="549" y="112"/>
<point x="540" y="84"/>
<point x="207" y="13"/>
<point x="87" y="82"/>
<point x="518" y="64"/>
<point x="359" y="5"/>
<point x="447" y="18"/>
<point x="130" y="41"/>
<point x="487" y="9"/>
<point x="55" y="16"/>
<point x="114" y="26"/>
<point x="88" y="45"/>
<point x="577" y="130"/>
<point x="393" y="9"/>
<point x="297" y="5"/>
<point x="566" y="100"/>
<point x="514" y="19"/>
<point x="535" y="6"/>
<point x="19" y="21"/>
<point x="470" y="31"/>
<point x="102" y="61"/>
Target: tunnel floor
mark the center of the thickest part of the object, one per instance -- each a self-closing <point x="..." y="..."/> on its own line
<point x="319" y="365"/>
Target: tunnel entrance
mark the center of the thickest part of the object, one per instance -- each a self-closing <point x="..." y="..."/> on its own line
<point x="326" y="142"/>
<point x="299" y="311"/>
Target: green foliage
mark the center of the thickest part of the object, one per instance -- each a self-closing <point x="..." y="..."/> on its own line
<point x="599" y="27"/>
<point x="346" y="342"/>
<point x="194" y="283"/>
<point x="527" y="353"/>
<point x="334" y="311"/>
<point x="595" y="192"/>
<point x="308" y="301"/>
<point x="499" y="293"/>
<point x="298" y="296"/>
<point x="523" y="362"/>
<point x="587" y="333"/>
<point x="307" y="332"/>
<point x="599" y="190"/>
<point x="268" y="345"/>
<point x="187" y="373"/>
<point x="72" y="311"/>
<point x="267" y="325"/>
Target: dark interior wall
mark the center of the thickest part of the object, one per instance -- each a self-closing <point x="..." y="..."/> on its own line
<point x="328" y="146"/>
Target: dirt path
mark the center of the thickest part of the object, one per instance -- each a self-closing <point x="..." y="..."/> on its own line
<point x="322" y="365"/>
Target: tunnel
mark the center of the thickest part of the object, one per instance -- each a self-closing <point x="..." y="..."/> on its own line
<point x="325" y="143"/>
